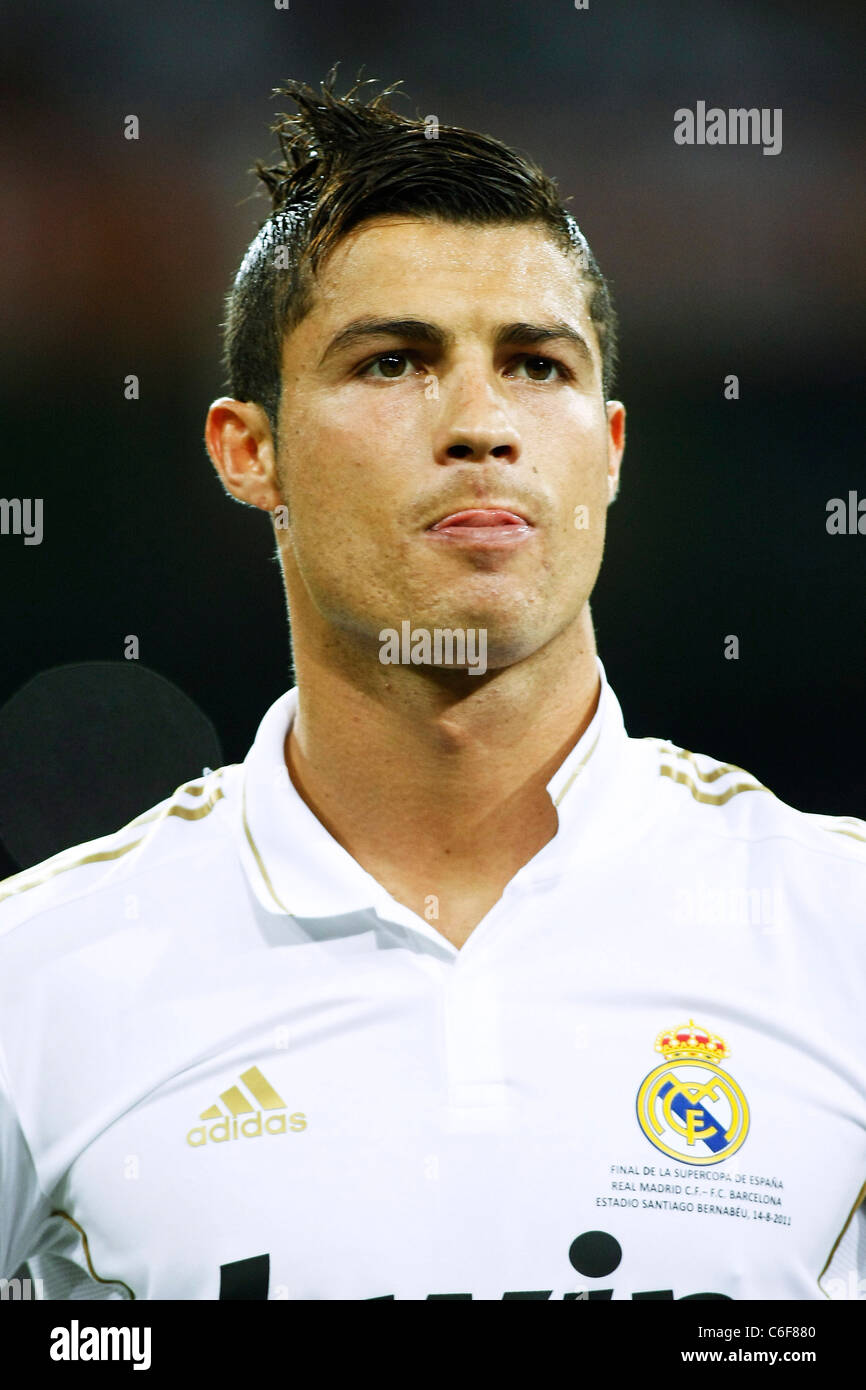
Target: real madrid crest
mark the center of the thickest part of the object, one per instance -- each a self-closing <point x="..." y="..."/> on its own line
<point x="689" y="1108"/>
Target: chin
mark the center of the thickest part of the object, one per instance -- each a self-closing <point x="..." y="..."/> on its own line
<point x="508" y="647"/>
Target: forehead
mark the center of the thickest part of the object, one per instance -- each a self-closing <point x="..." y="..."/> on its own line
<point x="470" y="274"/>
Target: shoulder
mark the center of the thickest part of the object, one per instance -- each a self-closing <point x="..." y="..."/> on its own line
<point x="156" y="843"/>
<point x="724" y="800"/>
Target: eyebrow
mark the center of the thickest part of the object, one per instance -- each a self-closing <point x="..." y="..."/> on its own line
<point x="416" y="330"/>
<point x="556" y="331"/>
<point x="421" y="331"/>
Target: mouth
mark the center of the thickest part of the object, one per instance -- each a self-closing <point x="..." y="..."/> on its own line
<point x="483" y="526"/>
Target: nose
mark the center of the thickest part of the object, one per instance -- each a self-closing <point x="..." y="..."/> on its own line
<point x="473" y="425"/>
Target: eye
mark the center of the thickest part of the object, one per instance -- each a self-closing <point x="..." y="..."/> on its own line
<point x="390" y="364"/>
<point x="540" y="368"/>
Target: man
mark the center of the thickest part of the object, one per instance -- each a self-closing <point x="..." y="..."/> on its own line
<point x="451" y="989"/>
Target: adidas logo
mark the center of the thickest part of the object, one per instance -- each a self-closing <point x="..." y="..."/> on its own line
<point x="238" y="1104"/>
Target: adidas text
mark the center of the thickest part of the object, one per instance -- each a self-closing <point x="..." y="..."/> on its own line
<point x="250" y="1128"/>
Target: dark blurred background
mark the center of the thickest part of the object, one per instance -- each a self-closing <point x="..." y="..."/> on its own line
<point x="116" y="254"/>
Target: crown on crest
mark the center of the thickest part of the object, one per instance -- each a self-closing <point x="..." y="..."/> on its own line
<point x="687" y="1040"/>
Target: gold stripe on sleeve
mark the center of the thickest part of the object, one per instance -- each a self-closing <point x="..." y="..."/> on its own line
<point x="837" y="830"/>
<point x="721" y="771"/>
<point x="858" y="1202"/>
<point x="708" y="798"/>
<point x="845" y="825"/>
<point x="100" y="857"/>
<point x="103" y="855"/>
<point x="86" y="1248"/>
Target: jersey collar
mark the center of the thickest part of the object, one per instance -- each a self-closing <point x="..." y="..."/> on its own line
<point x="295" y="866"/>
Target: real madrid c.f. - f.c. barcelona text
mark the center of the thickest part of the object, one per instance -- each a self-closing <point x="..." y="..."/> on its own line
<point x="233" y="1066"/>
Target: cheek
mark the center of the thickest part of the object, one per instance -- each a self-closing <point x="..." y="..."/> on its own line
<point x="343" y="448"/>
<point x="579" y="457"/>
<point x="582" y="490"/>
<point x="343" y="480"/>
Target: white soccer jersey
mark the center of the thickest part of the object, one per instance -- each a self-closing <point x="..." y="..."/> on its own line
<point x="232" y="1065"/>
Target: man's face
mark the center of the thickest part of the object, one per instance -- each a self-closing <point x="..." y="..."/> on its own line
<point x="383" y="434"/>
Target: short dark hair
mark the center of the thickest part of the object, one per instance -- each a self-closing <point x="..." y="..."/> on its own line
<point x="345" y="161"/>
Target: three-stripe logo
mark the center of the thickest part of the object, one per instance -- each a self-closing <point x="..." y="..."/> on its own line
<point x="246" y="1118"/>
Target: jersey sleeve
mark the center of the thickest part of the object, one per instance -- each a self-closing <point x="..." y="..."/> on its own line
<point x="24" y="1208"/>
<point x="845" y="1276"/>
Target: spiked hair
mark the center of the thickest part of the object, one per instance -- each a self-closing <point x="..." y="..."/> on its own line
<point x="344" y="161"/>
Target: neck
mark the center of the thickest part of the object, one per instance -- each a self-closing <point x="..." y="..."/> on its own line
<point x="396" y="760"/>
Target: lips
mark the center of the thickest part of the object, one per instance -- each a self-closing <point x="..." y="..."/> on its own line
<point x="488" y="531"/>
<point x="480" y="516"/>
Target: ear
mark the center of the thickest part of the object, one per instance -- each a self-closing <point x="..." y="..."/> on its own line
<point x="615" y="445"/>
<point x="238" y="438"/>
